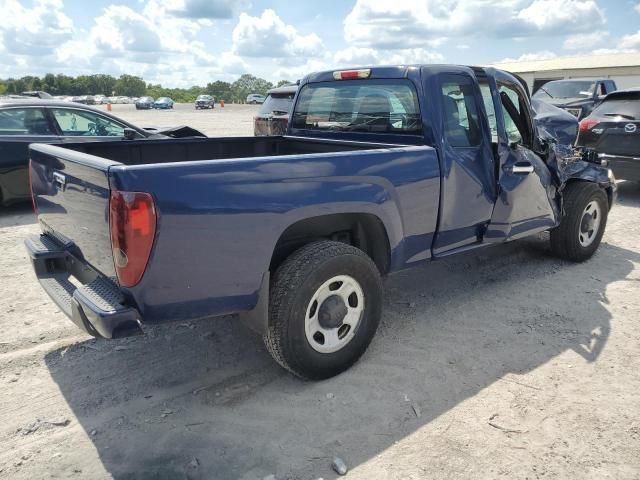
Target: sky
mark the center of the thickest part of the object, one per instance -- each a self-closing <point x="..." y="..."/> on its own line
<point x="180" y="43"/>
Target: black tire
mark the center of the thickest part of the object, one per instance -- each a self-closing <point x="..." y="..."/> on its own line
<point x="293" y="287"/>
<point x="565" y="238"/>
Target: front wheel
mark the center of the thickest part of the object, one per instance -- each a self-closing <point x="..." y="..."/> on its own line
<point x="585" y="217"/>
<point x="325" y="306"/>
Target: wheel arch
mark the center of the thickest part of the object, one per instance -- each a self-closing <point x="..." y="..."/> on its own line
<point x="365" y="231"/>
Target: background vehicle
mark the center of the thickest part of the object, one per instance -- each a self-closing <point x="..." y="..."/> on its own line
<point x="255" y="98"/>
<point x="57" y="122"/>
<point x="37" y="94"/>
<point x="273" y="117"/>
<point x="205" y="101"/>
<point x="578" y="97"/>
<point x="382" y="169"/>
<point x="613" y="130"/>
<point x="83" y="99"/>
<point x="99" y="99"/>
<point x="163" y="103"/>
<point x="144" y="103"/>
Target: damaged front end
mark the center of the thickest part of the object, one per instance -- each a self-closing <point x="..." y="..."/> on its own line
<point x="557" y="131"/>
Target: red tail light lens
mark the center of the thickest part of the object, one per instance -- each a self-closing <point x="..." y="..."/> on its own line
<point x="587" y="124"/>
<point x="132" y="222"/>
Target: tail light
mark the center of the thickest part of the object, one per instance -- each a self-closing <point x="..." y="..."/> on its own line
<point x="352" y="74"/>
<point x="33" y="195"/>
<point x="587" y="124"/>
<point x="132" y="223"/>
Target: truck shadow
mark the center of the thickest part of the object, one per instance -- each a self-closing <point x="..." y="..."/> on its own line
<point x="204" y="399"/>
<point x="17" y="214"/>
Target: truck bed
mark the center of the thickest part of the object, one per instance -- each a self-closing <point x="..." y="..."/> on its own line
<point x="222" y="204"/>
<point x="187" y="150"/>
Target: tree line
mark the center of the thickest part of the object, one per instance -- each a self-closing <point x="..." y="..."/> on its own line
<point x="132" y="86"/>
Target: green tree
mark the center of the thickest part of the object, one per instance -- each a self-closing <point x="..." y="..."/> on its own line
<point x="130" y="86"/>
<point x="247" y="84"/>
<point x="282" y="83"/>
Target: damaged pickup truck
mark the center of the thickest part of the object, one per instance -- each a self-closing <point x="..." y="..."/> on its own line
<point x="381" y="169"/>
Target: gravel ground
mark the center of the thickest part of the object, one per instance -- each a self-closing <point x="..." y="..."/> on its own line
<point x="219" y="122"/>
<point x="501" y="363"/>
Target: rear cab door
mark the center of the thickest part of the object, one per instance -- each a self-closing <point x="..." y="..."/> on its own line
<point x="526" y="201"/>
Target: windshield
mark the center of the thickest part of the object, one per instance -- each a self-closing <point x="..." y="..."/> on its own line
<point x="280" y="103"/>
<point x="203" y="97"/>
<point x="562" y="89"/>
<point x="163" y="99"/>
<point x="381" y="106"/>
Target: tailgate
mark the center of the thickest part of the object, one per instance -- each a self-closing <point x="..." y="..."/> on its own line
<point x="620" y="139"/>
<point x="71" y="196"/>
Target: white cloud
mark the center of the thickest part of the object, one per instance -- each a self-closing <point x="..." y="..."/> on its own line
<point x="637" y="8"/>
<point x="352" y="56"/>
<point x="269" y="36"/>
<point x="33" y="31"/>
<point x="203" y="8"/>
<point x="530" y="57"/>
<point x="409" y="23"/>
<point x="631" y="41"/>
<point x="582" y="41"/>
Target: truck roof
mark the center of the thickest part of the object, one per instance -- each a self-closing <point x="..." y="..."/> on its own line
<point x="395" y="71"/>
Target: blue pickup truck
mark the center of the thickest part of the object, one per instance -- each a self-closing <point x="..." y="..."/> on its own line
<point x="381" y="169"/>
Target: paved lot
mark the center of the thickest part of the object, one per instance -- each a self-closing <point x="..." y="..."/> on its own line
<point x="504" y="363"/>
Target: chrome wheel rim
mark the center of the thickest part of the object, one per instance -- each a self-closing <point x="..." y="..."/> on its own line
<point x="590" y="223"/>
<point x="334" y="314"/>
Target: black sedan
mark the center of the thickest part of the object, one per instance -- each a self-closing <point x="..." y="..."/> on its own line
<point x="25" y="121"/>
<point x="144" y="103"/>
<point x="613" y="130"/>
<point x="205" y="101"/>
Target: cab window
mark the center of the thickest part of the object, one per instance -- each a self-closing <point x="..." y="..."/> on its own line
<point x="24" y="121"/>
<point x="515" y="114"/>
<point x="79" y="123"/>
<point x="373" y="106"/>
<point x="460" y="113"/>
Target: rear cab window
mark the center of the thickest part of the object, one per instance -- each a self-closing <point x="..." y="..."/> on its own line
<point x="371" y="106"/>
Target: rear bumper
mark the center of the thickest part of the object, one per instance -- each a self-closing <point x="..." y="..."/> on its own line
<point x="623" y="167"/>
<point x="97" y="305"/>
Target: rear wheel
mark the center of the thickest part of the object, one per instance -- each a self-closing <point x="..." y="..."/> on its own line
<point x="325" y="306"/>
<point x="582" y="226"/>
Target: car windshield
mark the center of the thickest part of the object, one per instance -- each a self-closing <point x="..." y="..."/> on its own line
<point x="380" y="106"/>
<point x="163" y="99"/>
<point x="146" y="99"/>
<point x="277" y="103"/>
<point x="203" y="97"/>
<point x="577" y="89"/>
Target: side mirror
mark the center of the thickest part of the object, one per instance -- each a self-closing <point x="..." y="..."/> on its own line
<point x="130" y="134"/>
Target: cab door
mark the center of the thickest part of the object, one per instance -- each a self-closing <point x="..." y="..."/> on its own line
<point x="526" y="201"/>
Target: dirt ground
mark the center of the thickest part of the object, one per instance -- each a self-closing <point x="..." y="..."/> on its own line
<point x="502" y="363"/>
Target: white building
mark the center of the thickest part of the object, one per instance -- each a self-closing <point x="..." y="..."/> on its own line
<point x="624" y="68"/>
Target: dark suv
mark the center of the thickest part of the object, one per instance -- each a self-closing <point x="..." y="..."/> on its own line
<point x="205" y="101"/>
<point x="273" y="116"/>
<point x="613" y="130"/>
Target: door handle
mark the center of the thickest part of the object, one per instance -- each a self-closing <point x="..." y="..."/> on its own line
<point x="59" y="180"/>
<point x="522" y="169"/>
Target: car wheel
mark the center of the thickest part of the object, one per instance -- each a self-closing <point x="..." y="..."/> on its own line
<point x="324" y="308"/>
<point x="580" y="231"/>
